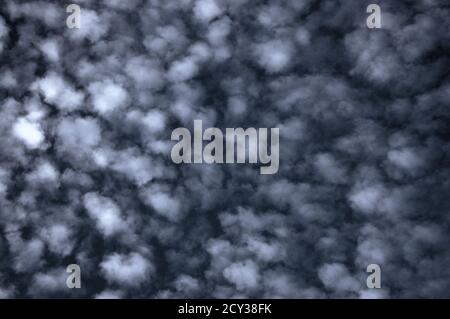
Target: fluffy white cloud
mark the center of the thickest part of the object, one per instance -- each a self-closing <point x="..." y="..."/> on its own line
<point x="107" y="96"/>
<point x="139" y="169"/>
<point x="51" y="50"/>
<point x="129" y="270"/>
<point x="79" y="132"/>
<point x="30" y="133"/>
<point x="162" y="203"/>
<point x="56" y="90"/>
<point x="329" y="169"/>
<point x="406" y="159"/>
<point x="183" y="70"/>
<point x="145" y="73"/>
<point x="368" y="199"/>
<point x="105" y="212"/>
<point x="244" y="275"/>
<point x="206" y="10"/>
<point x="274" y="56"/>
<point x="155" y="121"/>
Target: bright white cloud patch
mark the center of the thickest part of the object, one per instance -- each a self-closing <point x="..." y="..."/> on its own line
<point x="206" y="10"/>
<point x="107" y="96"/>
<point x="136" y="168"/>
<point x="406" y="159"/>
<point x="51" y="50"/>
<point x="154" y="121"/>
<point x="274" y="56"/>
<point x="105" y="213"/>
<point x="245" y="275"/>
<point x="129" y="270"/>
<point x="368" y="199"/>
<point x="163" y="203"/>
<point x="182" y="70"/>
<point x="56" y="90"/>
<point x="31" y="134"/>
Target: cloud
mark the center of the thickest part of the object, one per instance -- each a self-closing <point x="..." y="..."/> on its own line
<point x="128" y="270"/>
<point x="335" y="276"/>
<point x="206" y="10"/>
<point x="29" y="133"/>
<point x="107" y="96"/>
<point x="274" y="55"/>
<point x="105" y="213"/>
<point x="245" y="275"/>
<point x="86" y="175"/>
<point x="56" y="90"/>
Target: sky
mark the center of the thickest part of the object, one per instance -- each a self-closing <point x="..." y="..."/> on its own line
<point x="86" y="177"/>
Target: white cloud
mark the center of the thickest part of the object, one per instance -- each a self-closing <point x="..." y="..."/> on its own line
<point x="137" y="168"/>
<point x="335" y="276"/>
<point x="163" y="203"/>
<point x="129" y="270"/>
<point x="183" y="70"/>
<point x="145" y="73"/>
<point x="274" y="55"/>
<point x="406" y="158"/>
<point x="155" y="121"/>
<point x="368" y="199"/>
<point x="57" y="91"/>
<point x="50" y="48"/>
<point x="186" y="284"/>
<point x="206" y="10"/>
<point x="107" y="96"/>
<point x="31" y="134"/>
<point x="244" y="275"/>
<point x="76" y="132"/>
<point x="105" y="212"/>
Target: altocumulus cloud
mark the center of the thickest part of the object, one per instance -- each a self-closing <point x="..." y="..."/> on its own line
<point x="86" y="176"/>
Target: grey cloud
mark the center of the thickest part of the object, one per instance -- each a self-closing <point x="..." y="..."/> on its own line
<point x="86" y="177"/>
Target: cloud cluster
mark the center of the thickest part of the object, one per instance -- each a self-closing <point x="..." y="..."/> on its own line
<point x="86" y="177"/>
